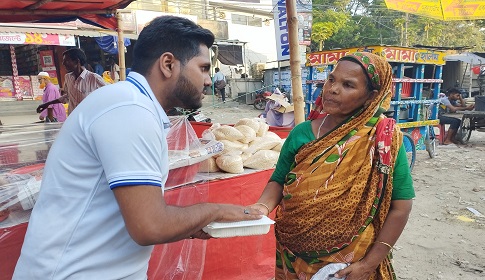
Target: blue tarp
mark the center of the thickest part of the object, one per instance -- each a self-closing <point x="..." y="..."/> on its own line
<point x="109" y="44"/>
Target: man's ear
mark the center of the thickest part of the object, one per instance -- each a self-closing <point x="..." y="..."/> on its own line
<point x="167" y="63"/>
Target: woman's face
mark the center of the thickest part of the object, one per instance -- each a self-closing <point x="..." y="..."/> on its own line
<point x="345" y="90"/>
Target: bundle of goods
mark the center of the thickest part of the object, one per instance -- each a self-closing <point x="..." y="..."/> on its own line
<point x="248" y="143"/>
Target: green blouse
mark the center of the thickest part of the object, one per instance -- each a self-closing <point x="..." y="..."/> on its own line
<point x="402" y="181"/>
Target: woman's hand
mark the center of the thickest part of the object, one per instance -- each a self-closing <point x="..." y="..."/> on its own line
<point x="357" y="271"/>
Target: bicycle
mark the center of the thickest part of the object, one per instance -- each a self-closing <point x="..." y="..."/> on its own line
<point x="430" y="141"/>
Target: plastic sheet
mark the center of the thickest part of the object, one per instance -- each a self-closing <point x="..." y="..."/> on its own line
<point x="23" y="151"/>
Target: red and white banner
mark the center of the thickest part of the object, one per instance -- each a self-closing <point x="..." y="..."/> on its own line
<point x="37" y="39"/>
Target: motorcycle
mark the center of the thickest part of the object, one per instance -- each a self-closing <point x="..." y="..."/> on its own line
<point x="192" y="114"/>
<point x="260" y="100"/>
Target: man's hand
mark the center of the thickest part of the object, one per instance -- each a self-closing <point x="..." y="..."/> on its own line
<point x="42" y="107"/>
<point x="236" y="213"/>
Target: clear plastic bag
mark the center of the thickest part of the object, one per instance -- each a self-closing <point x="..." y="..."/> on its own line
<point x="187" y="151"/>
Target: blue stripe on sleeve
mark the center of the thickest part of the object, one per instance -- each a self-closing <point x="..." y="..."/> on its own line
<point x="134" y="182"/>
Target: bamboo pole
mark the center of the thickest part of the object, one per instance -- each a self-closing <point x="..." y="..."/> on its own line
<point x="121" y="47"/>
<point x="295" y="63"/>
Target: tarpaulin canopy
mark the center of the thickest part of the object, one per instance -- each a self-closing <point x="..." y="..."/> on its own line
<point x="100" y="13"/>
<point x="230" y="54"/>
<point x="441" y="9"/>
<point x="109" y="44"/>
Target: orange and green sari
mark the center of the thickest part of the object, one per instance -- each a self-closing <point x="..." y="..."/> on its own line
<point x="338" y="192"/>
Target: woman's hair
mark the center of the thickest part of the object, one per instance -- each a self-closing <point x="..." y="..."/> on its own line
<point x="76" y="54"/>
<point x="177" y="35"/>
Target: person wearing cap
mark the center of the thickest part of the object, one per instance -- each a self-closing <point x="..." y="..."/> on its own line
<point x="54" y="112"/>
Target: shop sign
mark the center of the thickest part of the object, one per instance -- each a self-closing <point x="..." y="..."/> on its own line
<point x="392" y="54"/>
<point x="37" y="39"/>
<point x="281" y="30"/>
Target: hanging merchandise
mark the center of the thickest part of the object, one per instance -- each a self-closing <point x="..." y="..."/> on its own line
<point x="109" y="44"/>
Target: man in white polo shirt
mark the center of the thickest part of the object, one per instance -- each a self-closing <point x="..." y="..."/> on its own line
<point x="101" y="203"/>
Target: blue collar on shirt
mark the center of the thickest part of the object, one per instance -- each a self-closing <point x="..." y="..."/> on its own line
<point x="142" y="85"/>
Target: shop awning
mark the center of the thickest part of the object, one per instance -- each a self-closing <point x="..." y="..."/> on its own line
<point x="64" y="31"/>
<point x="99" y="13"/>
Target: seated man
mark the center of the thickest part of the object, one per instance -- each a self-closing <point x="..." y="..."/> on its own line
<point x="450" y="103"/>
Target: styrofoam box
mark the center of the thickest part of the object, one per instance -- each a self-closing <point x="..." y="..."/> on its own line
<point x="242" y="228"/>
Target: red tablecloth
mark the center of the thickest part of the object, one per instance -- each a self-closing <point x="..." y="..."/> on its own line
<point x="226" y="258"/>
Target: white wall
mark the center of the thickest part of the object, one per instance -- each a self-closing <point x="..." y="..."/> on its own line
<point x="260" y="46"/>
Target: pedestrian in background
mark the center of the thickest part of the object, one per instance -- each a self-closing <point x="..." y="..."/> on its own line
<point x="220" y="84"/>
<point x="114" y="69"/>
<point x="54" y="112"/>
<point x="78" y="82"/>
<point x="98" y="68"/>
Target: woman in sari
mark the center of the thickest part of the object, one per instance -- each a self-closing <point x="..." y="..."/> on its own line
<point x="342" y="182"/>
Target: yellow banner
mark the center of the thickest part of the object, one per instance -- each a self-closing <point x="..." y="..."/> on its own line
<point x="441" y="9"/>
<point x="392" y="54"/>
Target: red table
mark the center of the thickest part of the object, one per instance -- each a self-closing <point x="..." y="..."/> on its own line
<point x="226" y="258"/>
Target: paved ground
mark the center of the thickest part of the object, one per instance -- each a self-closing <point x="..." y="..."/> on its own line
<point x="225" y="113"/>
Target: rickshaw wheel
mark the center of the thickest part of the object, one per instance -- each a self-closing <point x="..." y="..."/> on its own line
<point x="260" y="103"/>
<point x="465" y="130"/>
<point x="430" y="142"/>
<point x="410" y="149"/>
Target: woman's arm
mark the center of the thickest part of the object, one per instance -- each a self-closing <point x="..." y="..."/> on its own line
<point x="270" y="198"/>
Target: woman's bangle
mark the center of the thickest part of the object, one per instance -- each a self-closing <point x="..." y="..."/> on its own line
<point x="262" y="204"/>
<point x="384" y="243"/>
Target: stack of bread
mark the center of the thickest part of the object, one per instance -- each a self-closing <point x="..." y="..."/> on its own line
<point x="248" y="143"/>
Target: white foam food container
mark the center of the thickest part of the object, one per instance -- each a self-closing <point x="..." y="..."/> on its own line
<point x="242" y="228"/>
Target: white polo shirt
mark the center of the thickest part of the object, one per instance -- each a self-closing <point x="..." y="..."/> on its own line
<point x="115" y="137"/>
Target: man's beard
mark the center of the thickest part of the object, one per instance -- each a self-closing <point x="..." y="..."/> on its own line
<point x="187" y="95"/>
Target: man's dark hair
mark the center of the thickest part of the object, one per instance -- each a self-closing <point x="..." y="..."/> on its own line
<point x="452" y="90"/>
<point x="76" y="54"/>
<point x="177" y="35"/>
<point x="216" y="69"/>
